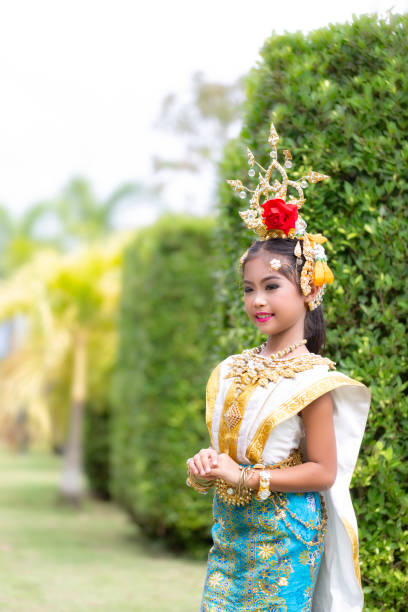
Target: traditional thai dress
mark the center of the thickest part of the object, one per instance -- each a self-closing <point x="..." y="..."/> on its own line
<point x="292" y="551"/>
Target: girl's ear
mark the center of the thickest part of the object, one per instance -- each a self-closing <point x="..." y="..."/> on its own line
<point x="312" y="294"/>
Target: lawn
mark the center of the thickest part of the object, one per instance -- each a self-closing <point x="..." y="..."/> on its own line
<point x="59" y="559"/>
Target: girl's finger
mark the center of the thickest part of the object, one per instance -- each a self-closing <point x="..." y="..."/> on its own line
<point x="199" y="464"/>
<point x="214" y="458"/>
<point x="191" y="466"/>
<point x="205" y="461"/>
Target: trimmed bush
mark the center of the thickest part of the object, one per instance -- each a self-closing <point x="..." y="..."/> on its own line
<point x="165" y="357"/>
<point x="97" y="449"/>
<point x="98" y="412"/>
<point x="339" y="100"/>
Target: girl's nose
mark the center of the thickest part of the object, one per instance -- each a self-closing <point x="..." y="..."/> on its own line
<point x="259" y="300"/>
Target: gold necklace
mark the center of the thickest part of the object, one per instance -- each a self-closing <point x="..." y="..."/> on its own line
<point x="280" y="353"/>
<point x="251" y="368"/>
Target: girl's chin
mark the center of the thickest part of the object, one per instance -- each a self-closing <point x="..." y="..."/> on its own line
<point x="263" y="325"/>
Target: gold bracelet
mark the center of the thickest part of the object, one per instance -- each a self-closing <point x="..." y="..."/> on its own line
<point x="240" y="485"/>
<point x="199" y="484"/>
<point x="202" y="482"/>
<point x="248" y="473"/>
<point x="264" y="482"/>
<point x="236" y="496"/>
<point x="197" y="487"/>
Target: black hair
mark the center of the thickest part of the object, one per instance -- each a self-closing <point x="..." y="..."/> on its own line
<point x="315" y="326"/>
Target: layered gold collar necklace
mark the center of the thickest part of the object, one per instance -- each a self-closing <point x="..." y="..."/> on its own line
<point x="250" y="368"/>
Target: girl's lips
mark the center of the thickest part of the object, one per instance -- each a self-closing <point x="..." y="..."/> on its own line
<point x="263" y="318"/>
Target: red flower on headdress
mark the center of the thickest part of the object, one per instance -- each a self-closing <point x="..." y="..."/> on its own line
<point x="279" y="215"/>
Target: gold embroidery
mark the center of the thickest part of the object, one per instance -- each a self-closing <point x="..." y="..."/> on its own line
<point x="292" y="407"/>
<point x="229" y="494"/>
<point x="266" y="551"/>
<point x="228" y="439"/>
<point x="232" y="416"/>
<point x="354" y="544"/>
<point x="211" y="395"/>
<point x="249" y="368"/>
<point x="216" y="579"/>
<point x="304" y="557"/>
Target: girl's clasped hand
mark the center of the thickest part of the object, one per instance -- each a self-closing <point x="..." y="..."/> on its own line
<point x="208" y="464"/>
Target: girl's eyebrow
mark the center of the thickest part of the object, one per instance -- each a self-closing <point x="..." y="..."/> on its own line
<point x="264" y="279"/>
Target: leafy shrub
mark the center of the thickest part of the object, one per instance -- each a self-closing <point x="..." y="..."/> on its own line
<point x="97" y="448"/>
<point x="165" y="356"/>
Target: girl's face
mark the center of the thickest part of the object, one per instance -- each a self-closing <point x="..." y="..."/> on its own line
<point x="273" y="303"/>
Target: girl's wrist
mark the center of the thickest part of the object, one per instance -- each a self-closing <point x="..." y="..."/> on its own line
<point x="201" y="479"/>
<point x="236" y="476"/>
<point x="253" y="480"/>
<point x="232" y="475"/>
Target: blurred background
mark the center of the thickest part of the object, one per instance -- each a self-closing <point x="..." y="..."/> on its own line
<point x="119" y="289"/>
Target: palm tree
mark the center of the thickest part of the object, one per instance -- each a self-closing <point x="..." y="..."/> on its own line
<point x="83" y="218"/>
<point x="25" y="369"/>
<point x="70" y="303"/>
<point x="20" y="238"/>
<point x="74" y="218"/>
<point x="84" y="296"/>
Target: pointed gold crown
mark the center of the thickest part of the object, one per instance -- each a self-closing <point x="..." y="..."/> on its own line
<point x="253" y="216"/>
<point x="278" y="218"/>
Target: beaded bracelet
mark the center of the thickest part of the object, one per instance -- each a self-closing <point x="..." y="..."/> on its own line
<point x="264" y="490"/>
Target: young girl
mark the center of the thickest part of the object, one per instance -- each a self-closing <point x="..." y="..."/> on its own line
<point x="285" y="431"/>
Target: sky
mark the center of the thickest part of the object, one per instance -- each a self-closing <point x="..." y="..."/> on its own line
<point x="82" y="83"/>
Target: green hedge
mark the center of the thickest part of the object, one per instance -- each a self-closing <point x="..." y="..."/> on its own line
<point x="165" y="357"/>
<point x="97" y="448"/>
<point x="98" y="411"/>
<point x="339" y="100"/>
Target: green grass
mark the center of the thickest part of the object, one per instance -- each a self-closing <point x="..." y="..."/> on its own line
<point x="60" y="559"/>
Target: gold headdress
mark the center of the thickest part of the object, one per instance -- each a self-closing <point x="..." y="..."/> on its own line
<point x="277" y="218"/>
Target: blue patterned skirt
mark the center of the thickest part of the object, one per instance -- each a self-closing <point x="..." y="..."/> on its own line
<point x="263" y="556"/>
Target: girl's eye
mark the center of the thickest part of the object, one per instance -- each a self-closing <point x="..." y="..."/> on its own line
<point x="248" y="289"/>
